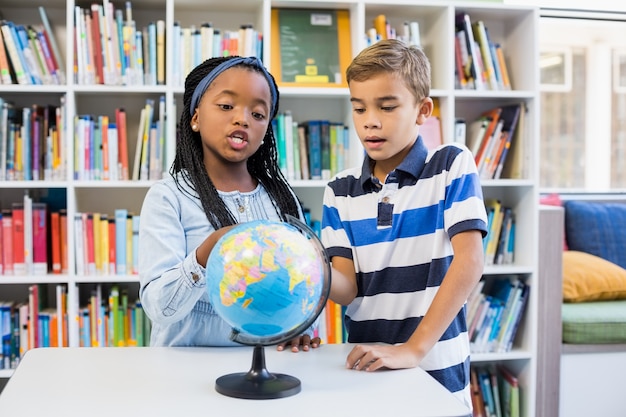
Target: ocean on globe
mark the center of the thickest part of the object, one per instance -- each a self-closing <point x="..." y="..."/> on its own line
<point x="268" y="280"/>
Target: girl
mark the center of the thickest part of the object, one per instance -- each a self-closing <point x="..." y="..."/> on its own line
<point x="225" y="172"/>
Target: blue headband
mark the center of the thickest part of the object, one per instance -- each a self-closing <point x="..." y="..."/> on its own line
<point x="206" y="81"/>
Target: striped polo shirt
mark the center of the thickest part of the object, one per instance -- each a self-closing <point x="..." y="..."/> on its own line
<point x="398" y="236"/>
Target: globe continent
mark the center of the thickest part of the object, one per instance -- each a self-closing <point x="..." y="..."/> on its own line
<point x="266" y="279"/>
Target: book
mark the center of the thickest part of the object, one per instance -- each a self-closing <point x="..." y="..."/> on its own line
<point x="112" y="245"/>
<point x="310" y="47"/>
<point x="478" y="403"/>
<point x="55" y="242"/>
<point x="160" y="52"/>
<point x="49" y="33"/>
<point x="104" y="244"/>
<point x="122" y="143"/>
<point x="493" y="115"/>
<point x="129" y="243"/>
<point x="63" y="240"/>
<point x="510" y="116"/>
<point x="120" y="241"/>
<point x="144" y="163"/>
<point x="287" y="130"/>
<point x="281" y="141"/>
<point x="493" y="144"/>
<point x="30" y="58"/>
<point x="473" y="68"/>
<point x="487" y="392"/>
<point x="516" y="163"/>
<point x="314" y="139"/>
<point x="296" y="151"/>
<point x="325" y="148"/>
<point x="5" y="69"/>
<point x="482" y="38"/>
<point x="80" y="245"/>
<point x="508" y="387"/>
<point x="96" y="15"/>
<point x="40" y="238"/>
<point x="12" y="47"/>
<point x="517" y="313"/>
<point x="19" y="261"/>
<point x="304" y="152"/>
<point x="506" y="81"/>
<point x="139" y="145"/>
<point x="7" y="241"/>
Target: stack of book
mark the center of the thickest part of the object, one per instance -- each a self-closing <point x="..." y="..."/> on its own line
<point x="310" y="150"/>
<point x="32" y="142"/>
<point x="112" y="320"/>
<point x="195" y="44"/>
<point x="494" y="312"/>
<point x="29" y="54"/>
<point x="480" y="63"/>
<point x="33" y="239"/>
<point x="495" y="392"/>
<point x="492" y="136"/>
<point x="499" y="245"/>
<point x="33" y="323"/>
<point x="106" y="245"/>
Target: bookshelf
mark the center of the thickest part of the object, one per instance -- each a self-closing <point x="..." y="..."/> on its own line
<point x="514" y="27"/>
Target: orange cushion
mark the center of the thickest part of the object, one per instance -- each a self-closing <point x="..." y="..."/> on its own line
<point x="588" y="277"/>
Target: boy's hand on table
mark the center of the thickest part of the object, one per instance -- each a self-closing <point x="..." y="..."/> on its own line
<point x="373" y="357"/>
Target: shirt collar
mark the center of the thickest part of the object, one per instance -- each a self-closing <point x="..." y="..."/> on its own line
<point x="412" y="164"/>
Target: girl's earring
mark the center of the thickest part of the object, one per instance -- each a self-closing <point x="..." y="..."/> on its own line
<point x="194" y="128"/>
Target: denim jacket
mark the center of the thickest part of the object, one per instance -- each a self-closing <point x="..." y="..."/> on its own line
<point x="173" y="284"/>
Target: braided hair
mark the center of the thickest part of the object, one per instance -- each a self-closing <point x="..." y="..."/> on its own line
<point x="188" y="164"/>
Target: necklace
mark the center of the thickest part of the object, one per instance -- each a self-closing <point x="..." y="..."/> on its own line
<point x="240" y="206"/>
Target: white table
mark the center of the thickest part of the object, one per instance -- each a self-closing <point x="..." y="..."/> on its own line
<point x="169" y="382"/>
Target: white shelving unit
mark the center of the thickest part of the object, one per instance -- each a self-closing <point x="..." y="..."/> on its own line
<point x="514" y="27"/>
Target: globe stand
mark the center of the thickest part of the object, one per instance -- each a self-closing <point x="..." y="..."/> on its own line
<point x="258" y="383"/>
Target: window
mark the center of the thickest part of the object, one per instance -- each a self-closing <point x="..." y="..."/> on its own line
<point x="583" y="101"/>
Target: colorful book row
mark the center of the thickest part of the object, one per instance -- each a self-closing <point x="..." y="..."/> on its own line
<point x="382" y="29"/>
<point x="112" y="50"/>
<point x="21" y="332"/>
<point x="106" y="245"/>
<point x="494" y="312"/>
<point x="314" y="149"/>
<point x="480" y="62"/>
<point x="32" y="142"/>
<point x="499" y="244"/>
<point x="193" y="45"/>
<point x="333" y="330"/>
<point x="112" y="320"/>
<point x="29" y="54"/>
<point x="101" y="145"/>
<point x="493" y="135"/>
<point x="32" y="241"/>
<point x="495" y="392"/>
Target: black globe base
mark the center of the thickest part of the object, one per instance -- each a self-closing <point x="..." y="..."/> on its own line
<point x="258" y="383"/>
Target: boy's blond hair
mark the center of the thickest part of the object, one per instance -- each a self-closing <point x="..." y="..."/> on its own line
<point x="393" y="56"/>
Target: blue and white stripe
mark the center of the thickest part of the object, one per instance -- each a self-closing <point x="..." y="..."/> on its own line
<point x="435" y="195"/>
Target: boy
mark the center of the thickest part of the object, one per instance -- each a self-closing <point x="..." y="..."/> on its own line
<point x="404" y="231"/>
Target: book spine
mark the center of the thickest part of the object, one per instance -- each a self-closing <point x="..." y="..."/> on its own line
<point x="7" y="242"/>
<point x="315" y="149"/>
<point x="40" y="239"/>
<point x="120" y="241"/>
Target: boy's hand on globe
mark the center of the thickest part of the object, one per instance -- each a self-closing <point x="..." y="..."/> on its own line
<point x="304" y="341"/>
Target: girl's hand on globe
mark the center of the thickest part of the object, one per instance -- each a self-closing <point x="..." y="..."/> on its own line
<point x="304" y="341"/>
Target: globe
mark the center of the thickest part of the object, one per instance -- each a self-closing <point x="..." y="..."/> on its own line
<point x="269" y="281"/>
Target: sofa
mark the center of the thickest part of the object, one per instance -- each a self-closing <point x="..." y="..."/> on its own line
<point x="582" y="308"/>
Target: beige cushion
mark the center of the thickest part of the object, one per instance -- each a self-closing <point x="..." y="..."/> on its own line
<point x="588" y="277"/>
